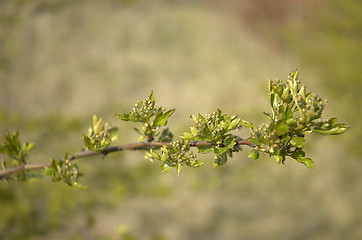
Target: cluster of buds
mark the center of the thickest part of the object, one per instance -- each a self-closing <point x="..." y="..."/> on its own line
<point x="100" y="135"/>
<point x="144" y="110"/>
<point x="64" y="170"/>
<point x="214" y="127"/>
<point x="176" y="154"/>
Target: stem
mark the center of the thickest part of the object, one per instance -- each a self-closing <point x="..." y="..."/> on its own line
<point x="87" y="153"/>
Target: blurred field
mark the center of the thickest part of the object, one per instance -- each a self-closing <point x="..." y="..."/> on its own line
<point x="62" y="62"/>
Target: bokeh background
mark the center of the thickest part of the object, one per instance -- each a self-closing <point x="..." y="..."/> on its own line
<point x="63" y="61"/>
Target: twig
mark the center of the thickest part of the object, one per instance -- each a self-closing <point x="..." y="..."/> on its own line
<point x="87" y="153"/>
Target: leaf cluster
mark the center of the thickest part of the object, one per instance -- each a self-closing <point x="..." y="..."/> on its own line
<point x="176" y="154"/>
<point x="100" y="135"/>
<point x="64" y="170"/>
<point x="215" y="129"/>
<point x="150" y="116"/>
<point x="295" y="113"/>
<point x="16" y="151"/>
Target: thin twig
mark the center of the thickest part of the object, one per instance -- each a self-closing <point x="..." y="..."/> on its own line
<point x="87" y="153"/>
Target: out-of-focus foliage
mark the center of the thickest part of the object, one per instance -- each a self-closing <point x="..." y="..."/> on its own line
<point x="17" y="154"/>
<point x="64" y="170"/>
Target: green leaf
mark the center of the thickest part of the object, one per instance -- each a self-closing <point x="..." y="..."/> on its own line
<point x="270" y="118"/>
<point x="48" y="171"/>
<point x="124" y="117"/>
<point x="226" y="125"/>
<point x="229" y="142"/>
<point x="302" y="92"/>
<point x="205" y="148"/>
<point x="220" y="159"/>
<point x="187" y="136"/>
<point x="298" y="142"/>
<point x="285" y="95"/>
<point x="169" y="113"/>
<point x="178" y="168"/>
<point x="234" y="124"/>
<point x="281" y="128"/>
<point x="247" y="124"/>
<point x="165" y="167"/>
<point x="254" y="154"/>
<point x="334" y="130"/>
<point x="152" y="97"/>
<point x="148" y="156"/>
<point x="279" y="158"/>
<point x="160" y="119"/>
<point x="155" y="154"/>
<point x="306" y="161"/>
<point x="27" y="147"/>
<point x="297" y="154"/>
<point x="138" y="131"/>
<point x="220" y="150"/>
<point x="87" y="142"/>
<point x="288" y="113"/>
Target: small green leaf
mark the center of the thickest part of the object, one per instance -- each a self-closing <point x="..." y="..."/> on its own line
<point x="254" y="154"/>
<point x="48" y="171"/>
<point x="27" y="147"/>
<point x="155" y="154"/>
<point x="229" y="142"/>
<point x="247" y="124"/>
<point x="281" y="128"/>
<point x="334" y="130"/>
<point x="286" y="95"/>
<point x="234" y="124"/>
<point x="205" y="148"/>
<point x="187" y="136"/>
<point x="288" y="113"/>
<point x="306" y="161"/>
<point x="178" y="168"/>
<point x="87" y="142"/>
<point x="298" y="142"/>
<point x="148" y="156"/>
<point x="194" y="131"/>
<point x="165" y="167"/>
<point x="220" y="150"/>
<point x="297" y="154"/>
<point x="169" y="113"/>
<point x="138" y="131"/>
<point x="279" y="158"/>
<point x="302" y="92"/>
<point x="160" y="119"/>
<point x="226" y="125"/>
<point x="152" y="97"/>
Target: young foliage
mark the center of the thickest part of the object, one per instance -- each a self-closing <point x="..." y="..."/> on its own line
<point x="215" y="128"/>
<point x="12" y="147"/>
<point x="17" y="152"/>
<point x="175" y="155"/>
<point x="100" y="135"/>
<point x="152" y="117"/>
<point x="64" y="170"/>
<point x="295" y="113"/>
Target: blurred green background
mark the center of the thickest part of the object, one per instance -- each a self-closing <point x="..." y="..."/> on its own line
<point x="63" y="61"/>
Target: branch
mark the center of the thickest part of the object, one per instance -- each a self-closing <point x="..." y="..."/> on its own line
<point x="87" y="153"/>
